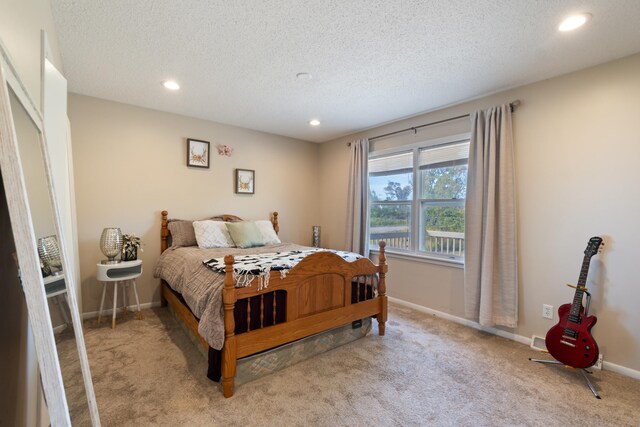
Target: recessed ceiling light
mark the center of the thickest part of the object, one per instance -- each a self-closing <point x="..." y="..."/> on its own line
<point x="303" y="76"/>
<point x="171" y="85"/>
<point x="574" y="21"/>
<point x="314" y="122"/>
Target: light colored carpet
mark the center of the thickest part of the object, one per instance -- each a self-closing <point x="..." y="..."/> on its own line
<point x="425" y="372"/>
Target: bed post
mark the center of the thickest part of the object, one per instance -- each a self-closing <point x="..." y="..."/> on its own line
<point x="275" y="222"/>
<point x="229" y="349"/>
<point x="164" y="233"/>
<point x="382" y="289"/>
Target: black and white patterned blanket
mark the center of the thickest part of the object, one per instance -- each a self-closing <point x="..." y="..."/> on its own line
<point x="248" y="267"/>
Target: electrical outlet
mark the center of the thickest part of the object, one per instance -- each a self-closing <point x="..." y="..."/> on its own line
<point x="547" y="311"/>
<point x="598" y="364"/>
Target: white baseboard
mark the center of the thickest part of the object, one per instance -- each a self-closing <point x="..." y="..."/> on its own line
<point x="463" y="321"/>
<point x="518" y="338"/>
<point x="108" y="312"/>
<point x="621" y="369"/>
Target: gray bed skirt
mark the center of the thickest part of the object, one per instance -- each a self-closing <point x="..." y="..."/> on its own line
<point x="258" y="365"/>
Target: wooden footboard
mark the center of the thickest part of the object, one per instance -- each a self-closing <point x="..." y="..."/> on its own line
<point x="322" y="292"/>
<point x="319" y="298"/>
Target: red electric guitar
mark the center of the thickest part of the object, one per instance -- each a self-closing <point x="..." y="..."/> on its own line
<point x="570" y="341"/>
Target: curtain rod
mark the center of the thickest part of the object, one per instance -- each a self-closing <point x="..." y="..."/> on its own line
<point x="513" y="105"/>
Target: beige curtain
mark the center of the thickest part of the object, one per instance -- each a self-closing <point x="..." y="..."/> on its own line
<point x="357" y="202"/>
<point x="490" y="273"/>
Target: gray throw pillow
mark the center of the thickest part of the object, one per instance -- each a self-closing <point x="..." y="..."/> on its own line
<point x="182" y="233"/>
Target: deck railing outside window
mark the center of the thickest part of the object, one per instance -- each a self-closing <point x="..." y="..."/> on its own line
<point x="436" y="242"/>
<point x="394" y="237"/>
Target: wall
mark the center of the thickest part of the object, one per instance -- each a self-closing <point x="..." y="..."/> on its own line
<point x="130" y="164"/>
<point x="577" y="147"/>
<point x="21" y="22"/>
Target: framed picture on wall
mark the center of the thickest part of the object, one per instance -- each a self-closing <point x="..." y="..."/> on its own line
<point x="197" y="153"/>
<point x="245" y="181"/>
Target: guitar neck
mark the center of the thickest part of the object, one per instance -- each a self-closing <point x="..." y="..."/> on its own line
<point x="574" y="314"/>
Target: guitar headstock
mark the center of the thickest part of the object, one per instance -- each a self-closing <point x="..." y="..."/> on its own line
<point x="593" y="247"/>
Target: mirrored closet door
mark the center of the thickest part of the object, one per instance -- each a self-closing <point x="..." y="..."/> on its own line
<point x="42" y="255"/>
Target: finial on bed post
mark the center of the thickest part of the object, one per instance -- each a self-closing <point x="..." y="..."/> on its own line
<point x="229" y="350"/>
<point x="382" y="288"/>
<point x="275" y="222"/>
<point x="164" y="232"/>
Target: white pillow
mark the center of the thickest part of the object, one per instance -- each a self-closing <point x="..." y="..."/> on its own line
<point x="212" y="234"/>
<point x="269" y="234"/>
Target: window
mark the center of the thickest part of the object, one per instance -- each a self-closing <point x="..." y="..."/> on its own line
<point x="416" y="198"/>
<point x="391" y="200"/>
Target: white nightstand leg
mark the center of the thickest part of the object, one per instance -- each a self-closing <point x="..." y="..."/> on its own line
<point x="57" y="302"/>
<point x="125" y="285"/>
<point x="104" y="291"/>
<point x="115" y="304"/>
<point x="135" y="292"/>
<point x="119" y="274"/>
<point x="64" y="311"/>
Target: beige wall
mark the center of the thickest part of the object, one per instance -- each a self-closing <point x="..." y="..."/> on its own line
<point x="21" y="22"/>
<point x="577" y="148"/>
<point x="130" y="164"/>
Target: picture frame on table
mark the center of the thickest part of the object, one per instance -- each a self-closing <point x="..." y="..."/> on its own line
<point x="245" y="181"/>
<point x="198" y="153"/>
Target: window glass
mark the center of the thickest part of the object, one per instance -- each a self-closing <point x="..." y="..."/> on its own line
<point x="390" y="222"/>
<point x="443" y="228"/>
<point x="391" y="177"/>
<point x="438" y="200"/>
<point x="444" y="182"/>
<point x="391" y="187"/>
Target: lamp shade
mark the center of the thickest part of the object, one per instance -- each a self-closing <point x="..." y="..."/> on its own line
<point x="111" y="243"/>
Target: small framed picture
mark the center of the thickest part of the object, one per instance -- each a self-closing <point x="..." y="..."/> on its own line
<point x="197" y="153"/>
<point x="245" y="181"/>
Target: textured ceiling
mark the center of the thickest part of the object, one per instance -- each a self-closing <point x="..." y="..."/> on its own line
<point x="372" y="61"/>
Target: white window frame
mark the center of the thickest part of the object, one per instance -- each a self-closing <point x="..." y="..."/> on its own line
<point x="414" y="252"/>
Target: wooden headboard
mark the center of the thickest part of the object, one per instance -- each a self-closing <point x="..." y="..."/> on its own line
<point x="165" y="234"/>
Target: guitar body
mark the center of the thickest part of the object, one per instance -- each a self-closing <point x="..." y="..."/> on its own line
<point x="571" y="342"/>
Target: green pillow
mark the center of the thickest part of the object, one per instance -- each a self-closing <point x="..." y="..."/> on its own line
<point x="245" y="234"/>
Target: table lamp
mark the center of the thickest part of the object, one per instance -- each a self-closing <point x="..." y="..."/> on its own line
<point x="111" y="244"/>
<point x="50" y="254"/>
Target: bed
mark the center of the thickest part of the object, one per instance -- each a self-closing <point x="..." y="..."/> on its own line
<point x="323" y="291"/>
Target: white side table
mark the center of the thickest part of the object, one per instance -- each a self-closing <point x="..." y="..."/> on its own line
<point x="123" y="273"/>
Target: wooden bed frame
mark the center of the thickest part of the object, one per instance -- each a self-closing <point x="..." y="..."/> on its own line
<point x="318" y="298"/>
